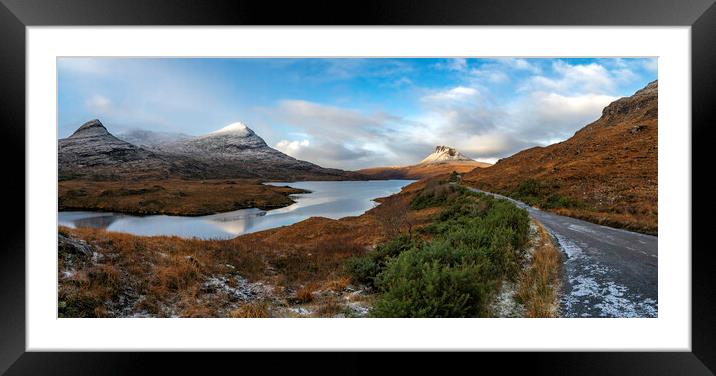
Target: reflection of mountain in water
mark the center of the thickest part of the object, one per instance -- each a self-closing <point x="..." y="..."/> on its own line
<point x="102" y="221"/>
<point x="330" y="199"/>
<point x="236" y="215"/>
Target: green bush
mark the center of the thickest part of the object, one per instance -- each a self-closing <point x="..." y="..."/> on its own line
<point x="365" y="269"/>
<point x="529" y="187"/>
<point x="542" y="194"/>
<point x="362" y="269"/>
<point x="431" y="289"/>
<point x="476" y="243"/>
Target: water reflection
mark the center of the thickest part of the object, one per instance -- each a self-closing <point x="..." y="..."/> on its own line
<point x="330" y="199"/>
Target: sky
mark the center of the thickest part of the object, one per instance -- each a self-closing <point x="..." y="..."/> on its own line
<point x="352" y="113"/>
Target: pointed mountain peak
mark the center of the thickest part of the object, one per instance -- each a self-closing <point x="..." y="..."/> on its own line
<point x="237" y="128"/>
<point x="444" y="153"/>
<point x="91" y="128"/>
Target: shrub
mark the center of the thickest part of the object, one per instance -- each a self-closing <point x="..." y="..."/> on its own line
<point x="365" y="269"/>
<point x="476" y="243"/>
<point x="529" y="187"/>
<point x="362" y="269"/>
<point x="417" y="287"/>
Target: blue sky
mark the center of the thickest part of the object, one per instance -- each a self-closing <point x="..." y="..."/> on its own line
<point x="353" y="113"/>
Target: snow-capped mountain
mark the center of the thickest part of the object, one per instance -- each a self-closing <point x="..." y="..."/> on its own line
<point x="443" y="154"/>
<point x="442" y="161"/>
<point x="93" y="151"/>
<point x="234" y="151"/>
<point x="234" y="142"/>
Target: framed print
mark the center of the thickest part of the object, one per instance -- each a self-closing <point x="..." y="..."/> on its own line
<point x="480" y="178"/>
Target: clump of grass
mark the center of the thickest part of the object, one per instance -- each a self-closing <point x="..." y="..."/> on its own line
<point x="337" y="284"/>
<point x="305" y="294"/>
<point x="538" y="286"/>
<point x="255" y="309"/>
<point x="329" y="307"/>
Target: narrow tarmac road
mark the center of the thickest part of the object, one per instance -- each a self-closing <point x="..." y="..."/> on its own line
<point x="608" y="272"/>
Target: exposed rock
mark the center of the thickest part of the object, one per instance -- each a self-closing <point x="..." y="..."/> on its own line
<point x="637" y="128"/>
<point x="73" y="246"/>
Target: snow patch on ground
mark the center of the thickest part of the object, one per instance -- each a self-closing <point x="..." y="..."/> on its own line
<point x="236" y="288"/>
<point x="617" y="304"/>
<point x="570" y="249"/>
<point x="301" y="311"/>
<point x="590" y="293"/>
<point x="68" y="273"/>
<point x="505" y="304"/>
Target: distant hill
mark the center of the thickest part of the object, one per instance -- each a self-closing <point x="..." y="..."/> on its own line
<point x="606" y="173"/>
<point x="234" y="151"/>
<point x="443" y="160"/>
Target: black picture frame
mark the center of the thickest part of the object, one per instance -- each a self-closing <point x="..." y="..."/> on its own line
<point x="16" y="15"/>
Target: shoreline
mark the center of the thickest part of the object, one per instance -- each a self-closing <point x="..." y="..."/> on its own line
<point x="174" y="197"/>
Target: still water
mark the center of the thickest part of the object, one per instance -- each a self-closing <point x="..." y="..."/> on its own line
<point x="330" y="199"/>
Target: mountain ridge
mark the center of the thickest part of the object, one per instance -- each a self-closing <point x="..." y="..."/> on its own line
<point x="605" y="173"/>
<point x="234" y="151"/>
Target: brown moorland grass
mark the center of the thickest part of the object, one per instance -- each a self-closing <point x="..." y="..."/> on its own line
<point x="538" y="285"/>
<point x="257" y="309"/>
<point x="172" y="196"/>
<point x="167" y="276"/>
<point x="606" y="173"/>
<point x="421" y="171"/>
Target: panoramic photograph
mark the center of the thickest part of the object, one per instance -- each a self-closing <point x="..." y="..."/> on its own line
<point x="357" y="187"/>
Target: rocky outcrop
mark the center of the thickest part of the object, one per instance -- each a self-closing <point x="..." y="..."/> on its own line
<point x="73" y="247"/>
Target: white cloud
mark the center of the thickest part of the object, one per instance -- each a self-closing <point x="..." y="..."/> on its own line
<point x="544" y="117"/>
<point x="484" y="144"/>
<point x="292" y="147"/>
<point x="98" y="104"/>
<point x="459" y="93"/>
<point x="573" y="79"/>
